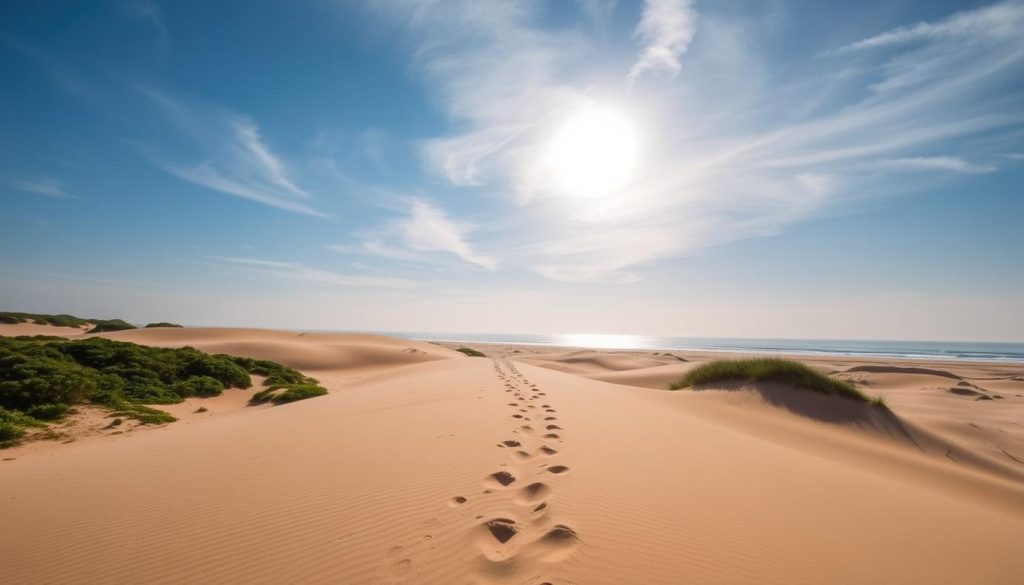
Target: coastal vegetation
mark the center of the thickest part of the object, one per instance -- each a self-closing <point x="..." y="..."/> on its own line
<point x="771" y="370"/>
<point x="62" y="320"/>
<point x="42" y="378"/>
<point x="471" y="352"/>
<point x="161" y="324"/>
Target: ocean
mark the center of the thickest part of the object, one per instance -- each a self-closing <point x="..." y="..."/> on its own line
<point x="963" y="350"/>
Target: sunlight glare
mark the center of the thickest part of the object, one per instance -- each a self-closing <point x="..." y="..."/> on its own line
<point x="594" y="152"/>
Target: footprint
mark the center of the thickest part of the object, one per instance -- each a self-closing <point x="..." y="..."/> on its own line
<point x="550" y="418"/>
<point x="457" y="501"/>
<point x="548" y="450"/>
<point x="561" y="534"/>
<point x="557" y="469"/>
<point x="503" y="529"/>
<point x="553" y="428"/>
<point x="511" y="443"/>
<point x="503" y="477"/>
<point x="517" y="416"/>
<point x="551" y="436"/>
<point x="533" y="493"/>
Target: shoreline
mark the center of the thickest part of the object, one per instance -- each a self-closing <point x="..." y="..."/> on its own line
<point x="699" y="353"/>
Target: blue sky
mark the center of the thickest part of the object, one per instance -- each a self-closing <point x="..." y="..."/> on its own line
<point x="799" y="169"/>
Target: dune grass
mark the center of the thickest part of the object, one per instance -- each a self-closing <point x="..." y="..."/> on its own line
<point x="772" y="370"/>
<point x="42" y="377"/>
<point x="62" y="320"/>
<point x="471" y="352"/>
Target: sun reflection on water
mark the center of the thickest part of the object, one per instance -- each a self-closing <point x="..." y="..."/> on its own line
<point x="603" y="341"/>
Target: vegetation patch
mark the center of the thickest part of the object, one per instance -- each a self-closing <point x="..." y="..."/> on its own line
<point x="771" y="370"/>
<point x="41" y="378"/>
<point x="471" y="352"/>
<point x="97" y="325"/>
<point x="161" y="324"/>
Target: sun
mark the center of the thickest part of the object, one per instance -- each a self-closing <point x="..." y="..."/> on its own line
<point x="593" y="153"/>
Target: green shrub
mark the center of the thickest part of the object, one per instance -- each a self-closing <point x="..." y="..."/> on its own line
<point x="111" y="325"/>
<point x="161" y="324"/>
<point x="219" y="367"/>
<point x="768" y="370"/>
<point x="10" y="432"/>
<point x="282" y="395"/>
<point x="471" y="352"/>
<point x="204" y="386"/>
<point x="18" y="418"/>
<point x="44" y="376"/>
<point x="48" y="411"/>
<point x="55" y="320"/>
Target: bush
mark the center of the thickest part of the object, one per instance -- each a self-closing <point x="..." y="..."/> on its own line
<point x="10" y="432"/>
<point x="286" y="394"/>
<point x="48" y="411"/>
<point x="110" y="325"/>
<point x="219" y="367"/>
<point x="768" y="370"/>
<point x="55" y="320"/>
<point x="471" y="352"/>
<point x="204" y="386"/>
<point x="161" y="324"/>
<point x="62" y="320"/>
<point x="41" y="377"/>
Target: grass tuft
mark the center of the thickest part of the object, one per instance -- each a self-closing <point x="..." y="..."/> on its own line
<point x="772" y="370"/>
<point x="471" y="352"/>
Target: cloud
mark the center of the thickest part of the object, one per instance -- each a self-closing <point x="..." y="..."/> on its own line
<point x="43" y="186"/>
<point x="424" y="229"/>
<point x="666" y="28"/>
<point x="429" y="229"/>
<point x="738" y="155"/>
<point x="938" y="163"/>
<point x="1002" y="20"/>
<point x="300" y="273"/>
<point x="236" y="160"/>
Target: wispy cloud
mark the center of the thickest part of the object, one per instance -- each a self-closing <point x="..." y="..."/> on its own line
<point x="666" y="29"/>
<point x="1002" y="20"/>
<point x="936" y="163"/>
<point x="429" y="229"/>
<point x="237" y="160"/>
<point x="738" y="154"/>
<point x="300" y="273"/>
<point x="423" y="230"/>
<point x="47" y="186"/>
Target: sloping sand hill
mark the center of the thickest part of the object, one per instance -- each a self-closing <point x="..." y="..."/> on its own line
<point x="473" y="470"/>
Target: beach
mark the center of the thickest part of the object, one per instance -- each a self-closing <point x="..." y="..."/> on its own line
<point x="531" y="465"/>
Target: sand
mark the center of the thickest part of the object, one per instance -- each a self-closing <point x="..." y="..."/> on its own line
<point x="545" y="465"/>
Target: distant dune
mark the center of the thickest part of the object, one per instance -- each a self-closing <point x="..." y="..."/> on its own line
<point x="427" y="466"/>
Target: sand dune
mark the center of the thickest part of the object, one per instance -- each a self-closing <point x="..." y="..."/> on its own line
<point x="471" y="470"/>
<point x="309" y="352"/>
<point x="15" y="329"/>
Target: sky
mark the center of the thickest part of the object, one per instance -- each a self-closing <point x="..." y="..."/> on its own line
<point x="736" y="168"/>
